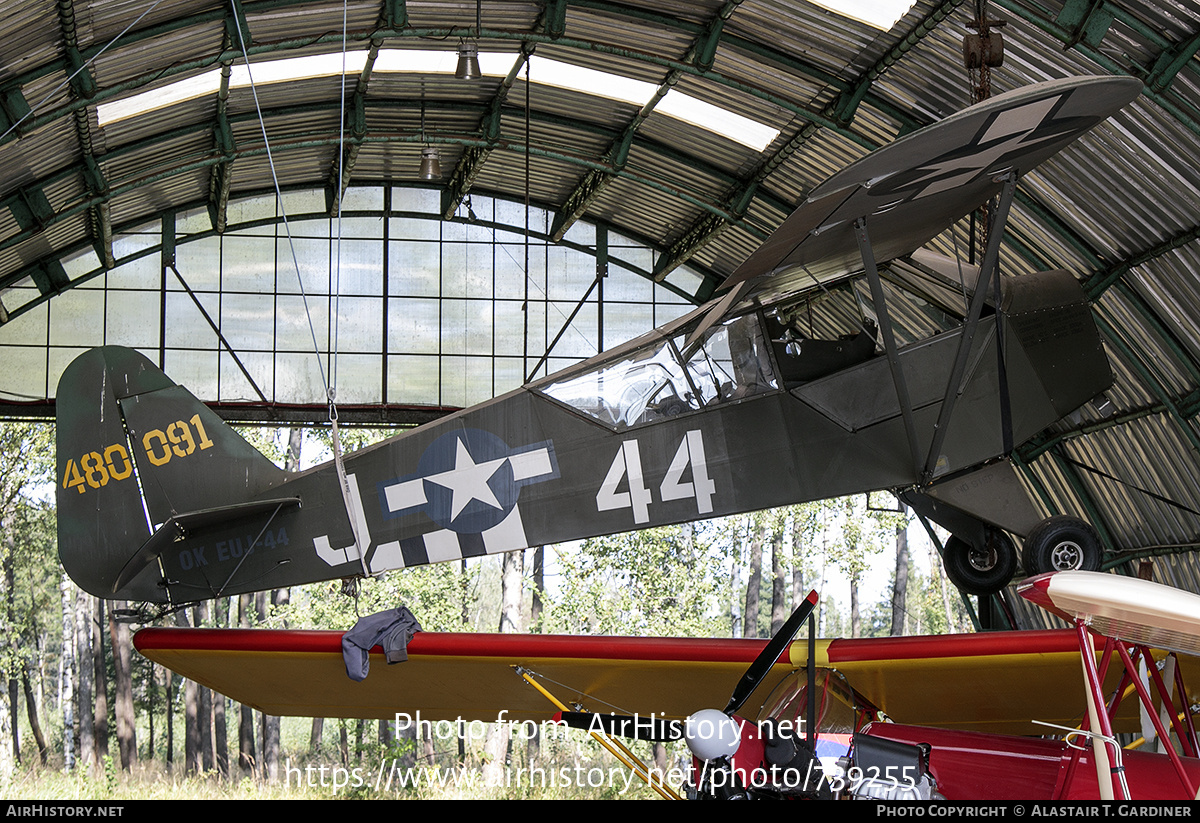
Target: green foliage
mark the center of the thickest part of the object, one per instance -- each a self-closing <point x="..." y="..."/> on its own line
<point x="864" y="534"/>
<point x="433" y="593"/>
<point x="28" y="546"/>
<point x="654" y="582"/>
<point x="271" y="442"/>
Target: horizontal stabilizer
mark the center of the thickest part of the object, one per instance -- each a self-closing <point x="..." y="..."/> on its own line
<point x="180" y="526"/>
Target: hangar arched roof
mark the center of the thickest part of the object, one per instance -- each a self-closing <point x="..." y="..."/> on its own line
<point x="815" y="89"/>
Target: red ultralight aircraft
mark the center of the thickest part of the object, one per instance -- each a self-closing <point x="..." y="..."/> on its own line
<point x="970" y="705"/>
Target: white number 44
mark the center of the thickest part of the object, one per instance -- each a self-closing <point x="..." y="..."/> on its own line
<point x="628" y="465"/>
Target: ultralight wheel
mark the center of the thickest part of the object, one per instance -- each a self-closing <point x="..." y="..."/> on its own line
<point x="981" y="569"/>
<point x="1062" y="543"/>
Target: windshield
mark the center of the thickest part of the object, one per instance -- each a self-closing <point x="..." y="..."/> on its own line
<point x="667" y="377"/>
<point x="837" y="711"/>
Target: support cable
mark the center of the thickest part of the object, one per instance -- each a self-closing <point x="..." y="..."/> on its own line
<point x="343" y="479"/>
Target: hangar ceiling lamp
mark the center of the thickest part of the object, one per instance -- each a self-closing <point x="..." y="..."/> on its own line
<point x="468" y="61"/>
<point x="431" y="163"/>
<point x="431" y="158"/>
<point x="468" y="50"/>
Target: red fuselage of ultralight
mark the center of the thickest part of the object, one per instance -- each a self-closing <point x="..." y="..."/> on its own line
<point x="978" y="766"/>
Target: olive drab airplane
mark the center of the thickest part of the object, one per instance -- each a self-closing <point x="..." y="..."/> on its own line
<point x="843" y="359"/>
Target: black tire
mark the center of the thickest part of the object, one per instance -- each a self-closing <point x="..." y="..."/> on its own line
<point x="984" y="570"/>
<point x="1062" y="543"/>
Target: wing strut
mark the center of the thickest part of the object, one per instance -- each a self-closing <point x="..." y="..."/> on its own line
<point x="615" y="747"/>
<point x="989" y="269"/>
<point x="889" y="339"/>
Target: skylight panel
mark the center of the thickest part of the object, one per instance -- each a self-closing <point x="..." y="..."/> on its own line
<point x="187" y="89"/>
<point x="882" y="14"/>
<point x="590" y="81"/>
<point x="721" y="121"/>
<point x="542" y="71"/>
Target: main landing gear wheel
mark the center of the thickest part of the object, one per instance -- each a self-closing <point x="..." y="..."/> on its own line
<point x="1062" y="543"/>
<point x="981" y="570"/>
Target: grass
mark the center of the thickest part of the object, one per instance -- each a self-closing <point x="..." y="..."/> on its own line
<point x="321" y="781"/>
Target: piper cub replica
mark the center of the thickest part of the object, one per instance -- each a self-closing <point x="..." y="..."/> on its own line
<point x="993" y="716"/>
<point x="818" y="374"/>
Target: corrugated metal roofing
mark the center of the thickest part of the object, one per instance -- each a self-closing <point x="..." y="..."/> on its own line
<point x="1120" y="209"/>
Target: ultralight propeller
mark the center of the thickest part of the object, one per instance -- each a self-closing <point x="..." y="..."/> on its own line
<point x="709" y="733"/>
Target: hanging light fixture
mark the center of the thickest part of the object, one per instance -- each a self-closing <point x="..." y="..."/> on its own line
<point x="468" y="61"/>
<point x="468" y="51"/>
<point x="431" y="163"/>
<point x="431" y="158"/>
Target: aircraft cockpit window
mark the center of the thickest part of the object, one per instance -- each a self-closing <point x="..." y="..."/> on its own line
<point x="654" y="382"/>
<point x="732" y="362"/>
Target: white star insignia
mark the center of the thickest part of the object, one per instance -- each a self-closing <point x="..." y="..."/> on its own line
<point x="468" y="481"/>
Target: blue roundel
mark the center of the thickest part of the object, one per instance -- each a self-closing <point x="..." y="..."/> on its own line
<point x="468" y="481"/>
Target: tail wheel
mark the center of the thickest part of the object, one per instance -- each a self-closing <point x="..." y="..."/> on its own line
<point x="981" y="569"/>
<point x="1062" y="543"/>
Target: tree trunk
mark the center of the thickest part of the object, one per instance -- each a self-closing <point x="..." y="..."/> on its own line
<point x="900" y="589"/>
<point x="750" y="626"/>
<point x="463" y="592"/>
<point x="935" y="570"/>
<point x="101" y="680"/>
<point x="191" y="715"/>
<point x="511" y="590"/>
<point x="314" y="736"/>
<point x="170" y="718"/>
<point x="407" y="732"/>
<point x="220" y="735"/>
<point x="270" y="724"/>
<point x="67" y="663"/>
<point x="204" y="706"/>
<point x="779" y="610"/>
<point x="798" y="591"/>
<point x="14" y="710"/>
<point x="247" y="763"/>
<point x="152" y="692"/>
<point x="735" y="585"/>
<point x="8" y="627"/>
<point x="855" y="619"/>
<point x="511" y="580"/>
<point x="539" y="589"/>
<point x="219" y="704"/>
<point x="123" y="674"/>
<point x="35" y="727"/>
<point x="83" y="692"/>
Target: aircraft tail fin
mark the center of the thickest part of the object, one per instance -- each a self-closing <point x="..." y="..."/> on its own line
<point x="135" y="449"/>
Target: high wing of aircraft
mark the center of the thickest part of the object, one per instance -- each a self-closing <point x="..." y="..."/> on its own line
<point x="978" y="716"/>
<point x="804" y="382"/>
